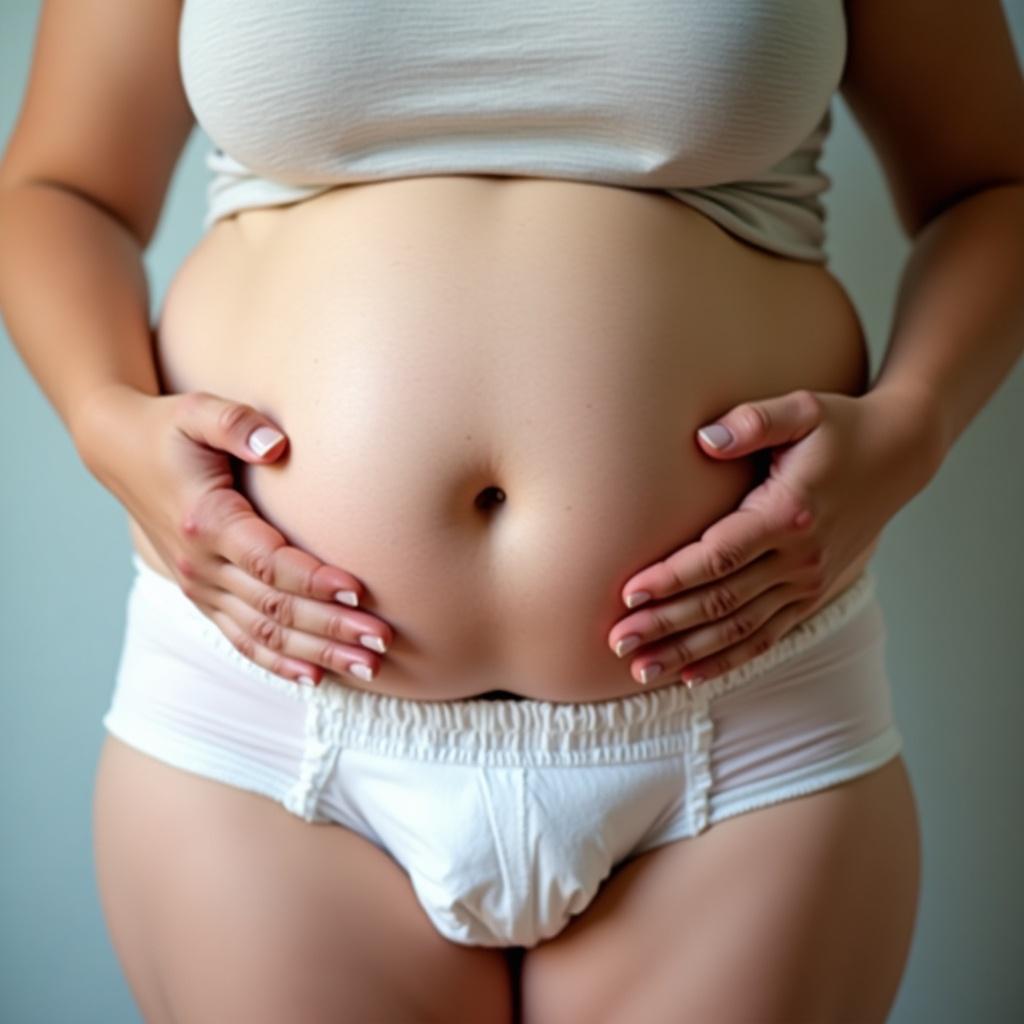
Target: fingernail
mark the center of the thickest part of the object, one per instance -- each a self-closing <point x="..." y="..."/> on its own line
<point x="650" y="672"/>
<point x="347" y="597"/>
<point x="262" y="439"/>
<point x="307" y="681"/>
<point x="717" y="435"/>
<point x="692" y="681"/>
<point x="637" y="597"/>
<point x="627" y="644"/>
<point x="373" y="642"/>
<point x="364" y="672"/>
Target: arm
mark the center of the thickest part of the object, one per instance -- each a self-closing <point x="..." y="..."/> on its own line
<point x="79" y="203"/>
<point x="937" y="89"/>
<point x="82" y="185"/>
<point x="958" y="328"/>
<point x="80" y="323"/>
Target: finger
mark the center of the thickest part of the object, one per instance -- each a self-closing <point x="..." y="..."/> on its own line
<point x="762" y="640"/>
<point x="270" y="635"/>
<point x="229" y="426"/>
<point x="209" y="600"/>
<point x="724" y="548"/>
<point x="715" y="601"/>
<point x="273" y="661"/>
<point x="229" y="522"/>
<point x="698" y="645"/>
<point x="763" y="424"/>
<point x="321" y="619"/>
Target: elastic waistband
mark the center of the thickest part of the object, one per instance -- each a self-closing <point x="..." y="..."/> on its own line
<point x="649" y="723"/>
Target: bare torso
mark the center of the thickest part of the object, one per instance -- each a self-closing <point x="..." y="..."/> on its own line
<point x="425" y="339"/>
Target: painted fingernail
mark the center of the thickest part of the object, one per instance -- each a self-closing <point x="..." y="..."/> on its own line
<point x="347" y="597"/>
<point x="364" y="672"/>
<point x="307" y="680"/>
<point x="716" y="435"/>
<point x="262" y="439"/>
<point x="626" y="644"/>
<point x="692" y="681"/>
<point x="650" y="672"/>
<point x="637" y="597"/>
<point x="373" y="642"/>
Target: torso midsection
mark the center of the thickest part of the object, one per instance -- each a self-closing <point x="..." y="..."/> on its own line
<point x="426" y="341"/>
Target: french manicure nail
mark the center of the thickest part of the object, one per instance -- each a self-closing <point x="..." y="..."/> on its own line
<point x="373" y="642"/>
<point x="717" y="435"/>
<point x="650" y="672"/>
<point x="347" y="597"/>
<point x="262" y="439"/>
<point x="364" y="672"/>
<point x="627" y="644"/>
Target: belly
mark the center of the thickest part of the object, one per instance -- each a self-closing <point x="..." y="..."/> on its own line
<point x="491" y="388"/>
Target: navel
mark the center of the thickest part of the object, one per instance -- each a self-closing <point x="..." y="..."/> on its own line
<point x="489" y="498"/>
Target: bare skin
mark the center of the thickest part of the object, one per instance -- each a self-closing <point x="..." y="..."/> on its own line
<point x="224" y="907"/>
<point x="559" y="341"/>
<point x="422" y="341"/>
<point x="268" y="918"/>
<point x="798" y="913"/>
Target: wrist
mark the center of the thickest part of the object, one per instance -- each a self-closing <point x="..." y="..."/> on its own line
<point x="105" y="413"/>
<point x="914" y="419"/>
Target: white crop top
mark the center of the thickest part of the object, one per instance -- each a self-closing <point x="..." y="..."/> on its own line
<point x="723" y="104"/>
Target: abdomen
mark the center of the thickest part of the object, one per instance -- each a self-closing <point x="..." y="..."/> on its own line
<point x="491" y="389"/>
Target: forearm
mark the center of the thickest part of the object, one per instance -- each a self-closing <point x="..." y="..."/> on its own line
<point x="958" y="327"/>
<point x="74" y="297"/>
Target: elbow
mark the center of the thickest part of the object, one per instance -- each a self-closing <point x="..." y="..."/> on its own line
<point x="917" y="213"/>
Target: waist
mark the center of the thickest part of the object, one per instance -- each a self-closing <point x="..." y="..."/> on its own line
<point x="498" y="273"/>
<point x="430" y="343"/>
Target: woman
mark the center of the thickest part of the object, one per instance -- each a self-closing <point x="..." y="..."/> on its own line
<point x="473" y="279"/>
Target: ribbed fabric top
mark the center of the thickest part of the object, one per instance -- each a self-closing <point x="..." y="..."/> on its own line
<point x="723" y="104"/>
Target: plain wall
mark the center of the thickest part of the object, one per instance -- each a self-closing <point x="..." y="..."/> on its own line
<point x="949" y="570"/>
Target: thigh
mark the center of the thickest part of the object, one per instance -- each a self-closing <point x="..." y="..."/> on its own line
<point x="801" y="911"/>
<point x="224" y="906"/>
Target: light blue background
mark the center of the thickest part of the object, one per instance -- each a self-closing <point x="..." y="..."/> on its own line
<point x="949" y="571"/>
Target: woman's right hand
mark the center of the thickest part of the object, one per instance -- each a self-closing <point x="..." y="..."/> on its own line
<point x="166" y="460"/>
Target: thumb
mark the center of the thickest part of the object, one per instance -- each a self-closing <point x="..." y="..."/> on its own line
<point x="229" y="426"/>
<point x="767" y="423"/>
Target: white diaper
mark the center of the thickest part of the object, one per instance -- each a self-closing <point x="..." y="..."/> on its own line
<point x="507" y="815"/>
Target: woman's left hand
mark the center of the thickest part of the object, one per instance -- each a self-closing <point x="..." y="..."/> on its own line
<point x="841" y="467"/>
